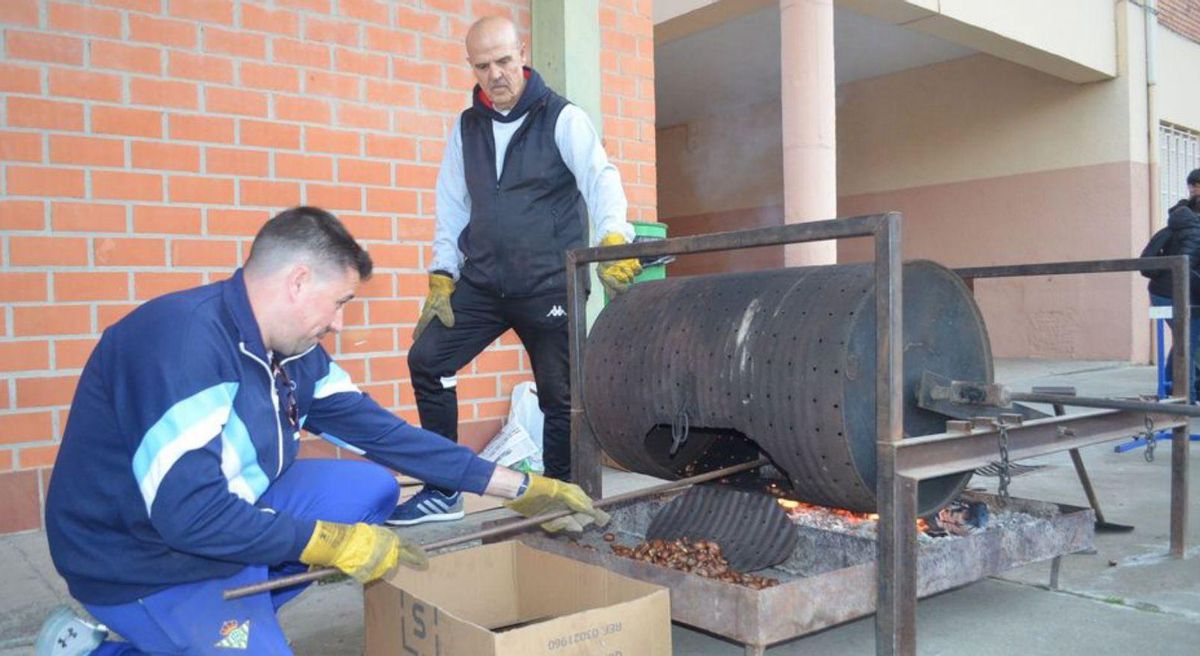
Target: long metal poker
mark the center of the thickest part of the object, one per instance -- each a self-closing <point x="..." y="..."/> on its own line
<point x="315" y="574"/>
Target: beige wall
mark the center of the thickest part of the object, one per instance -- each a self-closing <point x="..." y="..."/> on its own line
<point x="1178" y="79"/>
<point x="1075" y="213"/>
<point x="991" y="162"/>
<point x="995" y="163"/>
<point x="975" y="117"/>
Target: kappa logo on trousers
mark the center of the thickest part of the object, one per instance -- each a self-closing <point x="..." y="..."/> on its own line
<point x="557" y="311"/>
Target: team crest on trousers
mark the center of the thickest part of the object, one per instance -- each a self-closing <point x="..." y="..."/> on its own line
<point x="234" y="635"/>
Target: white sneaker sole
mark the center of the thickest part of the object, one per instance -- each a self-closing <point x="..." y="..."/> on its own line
<point x="440" y="517"/>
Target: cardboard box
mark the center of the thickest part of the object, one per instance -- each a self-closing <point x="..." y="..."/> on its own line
<point x="508" y="599"/>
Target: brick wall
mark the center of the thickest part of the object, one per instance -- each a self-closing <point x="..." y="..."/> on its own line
<point x="143" y="142"/>
<point x="627" y="99"/>
<point x="1181" y="16"/>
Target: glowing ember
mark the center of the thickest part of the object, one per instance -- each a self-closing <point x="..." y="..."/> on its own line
<point x="795" y="508"/>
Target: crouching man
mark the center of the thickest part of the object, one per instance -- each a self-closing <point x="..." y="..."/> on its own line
<point x="177" y="477"/>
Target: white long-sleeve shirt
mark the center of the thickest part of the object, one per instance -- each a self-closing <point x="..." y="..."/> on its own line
<point x="579" y="146"/>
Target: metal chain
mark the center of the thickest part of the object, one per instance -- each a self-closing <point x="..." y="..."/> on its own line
<point x="1151" y="440"/>
<point x="1005" y="474"/>
<point x="679" y="430"/>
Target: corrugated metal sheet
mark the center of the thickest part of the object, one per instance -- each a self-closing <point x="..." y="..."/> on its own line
<point x="753" y="531"/>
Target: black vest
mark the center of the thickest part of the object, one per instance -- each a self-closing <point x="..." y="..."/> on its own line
<point x="522" y="225"/>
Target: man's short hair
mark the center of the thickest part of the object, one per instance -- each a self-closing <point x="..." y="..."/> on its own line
<point x="1194" y="177"/>
<point x="307" y="233"/>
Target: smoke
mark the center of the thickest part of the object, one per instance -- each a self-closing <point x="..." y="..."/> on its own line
<point x="723" y="161"/>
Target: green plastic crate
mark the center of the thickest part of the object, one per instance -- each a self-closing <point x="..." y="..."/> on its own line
<point x="648" y="231"/>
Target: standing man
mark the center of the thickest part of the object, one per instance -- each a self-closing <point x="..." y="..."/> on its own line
<point x="521" y="175"/>
<point x="177" y="476"/>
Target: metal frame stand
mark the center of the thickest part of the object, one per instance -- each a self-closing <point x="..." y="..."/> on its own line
<point x="1101" y="525"/>
<point x="1181" y="362"/>
<point x="1165" y="386"/>
<point x="902" y="463"/>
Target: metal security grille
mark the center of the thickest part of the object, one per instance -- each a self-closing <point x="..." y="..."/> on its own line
<point x="1179" y="153"/>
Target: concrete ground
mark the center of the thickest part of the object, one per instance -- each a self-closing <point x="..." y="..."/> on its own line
<point x="1126" y="598"/>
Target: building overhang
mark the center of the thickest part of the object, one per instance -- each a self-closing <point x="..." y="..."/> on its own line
<point x="1075" y="40"/>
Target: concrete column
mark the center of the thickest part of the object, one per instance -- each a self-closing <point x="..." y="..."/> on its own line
<point x="566" y="52"/>
<point x="809" y="128"/>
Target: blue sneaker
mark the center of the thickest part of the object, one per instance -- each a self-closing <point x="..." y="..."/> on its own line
<point x="428" y="505"/>
<point x="66" y="634"/>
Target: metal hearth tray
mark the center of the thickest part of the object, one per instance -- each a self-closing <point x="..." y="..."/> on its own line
<point x="830" y="577"/>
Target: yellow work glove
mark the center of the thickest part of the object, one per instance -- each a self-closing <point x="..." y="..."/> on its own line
<point x="437" y="303"/>
<point x="617" y="275"/>
<point x="363" y="551"/>
<point x="547" y="495"/>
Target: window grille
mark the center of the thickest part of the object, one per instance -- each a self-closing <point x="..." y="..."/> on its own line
<point x="1179" y="154"/>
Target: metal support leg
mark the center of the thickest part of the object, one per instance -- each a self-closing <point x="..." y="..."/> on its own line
<point x="896" y="496"/>
<point x="1102" y="525"/>
<point x="1055" y="564"/>
<point x="1086" y="481"/>
<point x="896" y="615"/>
<point x="755" y="650"/>
<point x="586" y="456"/>
<point x="585" y="450"/>
<point x="1182" y="370"/>
<point x="1179" y="491"/>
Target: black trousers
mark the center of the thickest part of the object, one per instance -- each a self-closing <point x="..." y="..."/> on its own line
<point x="480" y="317"/>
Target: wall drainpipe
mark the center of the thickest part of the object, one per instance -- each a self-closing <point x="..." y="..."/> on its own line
<point x="1150" y="11"/>
<point x="1150" y="23"/>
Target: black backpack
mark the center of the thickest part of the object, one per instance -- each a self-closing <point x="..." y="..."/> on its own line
<point x="1154" y="248"/>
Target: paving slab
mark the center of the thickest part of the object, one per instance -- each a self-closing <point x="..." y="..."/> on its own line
<point x="993" y="618"/>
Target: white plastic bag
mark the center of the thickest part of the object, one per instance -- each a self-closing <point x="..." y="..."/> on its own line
<point x="519" y="443"/>
<point x="510" y="446"/>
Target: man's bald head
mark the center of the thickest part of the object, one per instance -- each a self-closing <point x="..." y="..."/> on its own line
<point x="490" y="31"/>
<point x="497" y="59"/>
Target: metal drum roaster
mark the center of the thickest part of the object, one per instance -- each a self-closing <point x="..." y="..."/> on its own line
<point x="685" y="375"/>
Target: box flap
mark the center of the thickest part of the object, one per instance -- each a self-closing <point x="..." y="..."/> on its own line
<point x="552" y="585"/>
<point x="476" y="585"/>
<point x="536" y="602"/>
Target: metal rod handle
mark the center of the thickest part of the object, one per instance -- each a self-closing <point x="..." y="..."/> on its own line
<point x="1171" y="406"/>
<point x="529" y="522"/>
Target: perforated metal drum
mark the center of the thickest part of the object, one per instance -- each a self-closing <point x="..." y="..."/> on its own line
<point x="688" y="374"/>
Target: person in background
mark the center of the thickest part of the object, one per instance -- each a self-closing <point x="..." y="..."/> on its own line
<point x="521" y="175"/>
<point x="1180" y="237"/>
